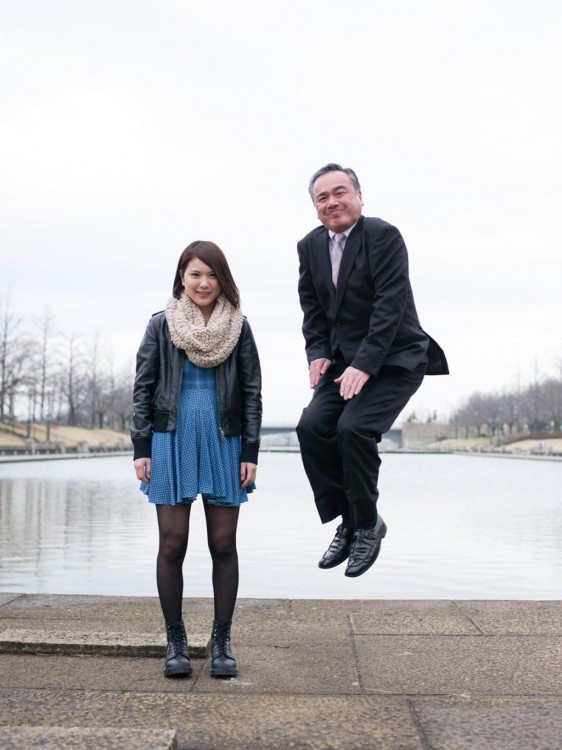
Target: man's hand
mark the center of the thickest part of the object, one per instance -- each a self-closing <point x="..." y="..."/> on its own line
<point x="351" y="382"/>
<point x="142" y="469"/>
<point x="247" y="474"/>
<point x="316" y="369"/>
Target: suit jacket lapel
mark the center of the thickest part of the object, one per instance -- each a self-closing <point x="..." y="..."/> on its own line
<point x="352" y="245"/>
<point x="324" y="262"/>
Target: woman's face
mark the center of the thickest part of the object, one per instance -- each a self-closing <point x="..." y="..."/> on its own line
<point x="201" y="286"/>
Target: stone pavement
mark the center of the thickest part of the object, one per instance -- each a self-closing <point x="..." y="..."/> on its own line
<point x="85" y="672"/>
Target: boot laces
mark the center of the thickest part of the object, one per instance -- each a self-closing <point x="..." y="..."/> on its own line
<point x="221" y="637"/>
<point x="177" y="639"/>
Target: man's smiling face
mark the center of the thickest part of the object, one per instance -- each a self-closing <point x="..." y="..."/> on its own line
<point x="337" y="203"/>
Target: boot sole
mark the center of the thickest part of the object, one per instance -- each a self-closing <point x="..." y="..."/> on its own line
<point x="178" y="672"/>
<point x="224" y="673"/>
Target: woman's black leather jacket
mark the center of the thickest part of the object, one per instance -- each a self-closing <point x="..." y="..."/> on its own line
<point x="158" y="385"/>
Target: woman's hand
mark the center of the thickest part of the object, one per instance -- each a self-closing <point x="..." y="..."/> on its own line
<point x="247" y="474"/>
<point x="142" y="469"/>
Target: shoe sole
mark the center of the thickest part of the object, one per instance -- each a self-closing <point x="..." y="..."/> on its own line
<point x="179" y="673"/>
<point x="373" y="561"/>
<point x="225" y="673"/>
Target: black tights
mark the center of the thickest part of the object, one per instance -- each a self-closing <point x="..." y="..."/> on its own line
<point x="173" y="526"/>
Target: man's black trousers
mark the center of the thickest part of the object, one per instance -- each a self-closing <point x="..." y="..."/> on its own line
<point x="338" y="440"/>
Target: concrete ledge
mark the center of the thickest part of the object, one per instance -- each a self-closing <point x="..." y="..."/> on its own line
<point x="11" y="458"/>
<point x="28" y="641"/>
<point x="313" y="675"/>
<point x="80" y="738"/>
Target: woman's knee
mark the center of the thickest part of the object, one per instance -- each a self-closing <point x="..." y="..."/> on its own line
<point x="222" y="547"/>
<point x="172" y="547"/>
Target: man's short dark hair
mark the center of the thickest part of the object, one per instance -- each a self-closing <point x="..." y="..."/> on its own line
<point x="334" y="168"/>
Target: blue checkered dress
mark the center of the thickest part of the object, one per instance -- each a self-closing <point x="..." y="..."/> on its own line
<point x="195" y="459"/>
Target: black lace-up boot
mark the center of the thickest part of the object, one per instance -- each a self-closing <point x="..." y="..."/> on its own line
<point x="223" y="663"/>
<point x="177" y="662"/>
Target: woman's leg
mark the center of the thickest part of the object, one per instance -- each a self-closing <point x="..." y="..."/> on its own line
<point x="173" y="526"/>
<point x="221" y="534"/>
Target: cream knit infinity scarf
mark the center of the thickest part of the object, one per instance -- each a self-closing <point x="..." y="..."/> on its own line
<point x="205" y="345"/>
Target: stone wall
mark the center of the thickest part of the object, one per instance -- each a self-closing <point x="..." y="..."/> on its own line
<point x="417" y="436"/>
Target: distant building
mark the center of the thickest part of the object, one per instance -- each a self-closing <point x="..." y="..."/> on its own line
<point x="416" y="436"/>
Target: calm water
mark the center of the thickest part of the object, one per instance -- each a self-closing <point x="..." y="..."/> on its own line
<point x="459" y="527"/>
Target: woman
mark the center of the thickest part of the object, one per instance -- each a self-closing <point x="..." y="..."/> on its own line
<point x="196" y="430"/>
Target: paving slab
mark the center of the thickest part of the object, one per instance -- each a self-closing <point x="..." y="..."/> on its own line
<point x="285" y="625"/>
<point x="461" y="665"/>
<point x="262" y="670"/>
<point x="364" y="617"/>
<point x="64" y="640"/>
<point x="129" y="626"/>
<point x="79" y="738"/>
<point x="213" y="723"/>
<point x="515" y="617"/>
<point x="108" y="608"/>
<point x="493" y="724"/>
<point x="6" y="598"/>
<point x="412" y="618"/>
<point x="313" y="668"/>
<point x="104" y="673"/>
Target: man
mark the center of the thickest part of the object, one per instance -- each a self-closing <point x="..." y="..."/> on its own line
<point x="367" y="356"/>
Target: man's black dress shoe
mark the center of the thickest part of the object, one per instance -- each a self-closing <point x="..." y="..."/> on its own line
<point x="338" y="551"/>
<point x="365" y="549"/>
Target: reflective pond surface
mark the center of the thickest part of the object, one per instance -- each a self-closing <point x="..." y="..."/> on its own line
<point x="465" y="527"/>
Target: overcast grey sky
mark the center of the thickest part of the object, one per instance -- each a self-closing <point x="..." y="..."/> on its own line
<point x="129" y="129"/>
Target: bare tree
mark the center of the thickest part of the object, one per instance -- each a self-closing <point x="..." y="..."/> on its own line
<point x="552" y="403"/>
<point x="57" y="379"/>
<point x="122" y="404"/>
<point x="15" y="356"/>
<point x="532" y="407"/>
<point x="92" y="383"/>
<point x="510" y="411"/>
<point x="99" y="384"/>
<point x="71" y="380"/>
<point x="46" y="363"/>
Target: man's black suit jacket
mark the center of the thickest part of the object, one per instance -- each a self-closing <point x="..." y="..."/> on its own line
<point x="371" y="317"/>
